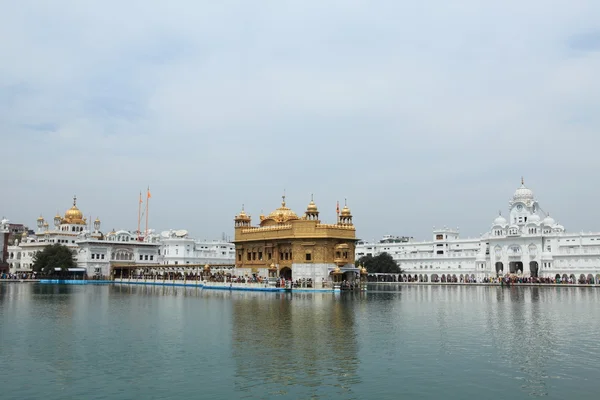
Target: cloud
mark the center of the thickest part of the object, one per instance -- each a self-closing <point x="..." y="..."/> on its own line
<point x="420" y="114"/>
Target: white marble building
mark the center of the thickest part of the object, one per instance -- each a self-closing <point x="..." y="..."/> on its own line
<point x="97" y="252"/>
<point x="177" y="248"/>
<point x="528" y="242"/>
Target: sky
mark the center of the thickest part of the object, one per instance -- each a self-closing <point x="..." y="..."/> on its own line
<point x="418" y="114"/>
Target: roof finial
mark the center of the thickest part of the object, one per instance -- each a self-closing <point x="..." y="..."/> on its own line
<point x="311" y="197"/>
<point x="74" y="200"/>
<point x="499" y="213"/>
<point x="242" y="206"/>
<point x="345" y="202"/>
<point x="283" y="199"/>
<point x="522" y="180"/>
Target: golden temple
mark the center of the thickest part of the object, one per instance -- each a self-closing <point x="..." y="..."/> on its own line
<point x="292" y="247"/>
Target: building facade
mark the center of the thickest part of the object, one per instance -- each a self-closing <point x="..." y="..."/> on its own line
<point x="177" y="248"/>
<point x="529" y="242"/>
<point x="99" y="254"/>
<point x="294" y="248"/>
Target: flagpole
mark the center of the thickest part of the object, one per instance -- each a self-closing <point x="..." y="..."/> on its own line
<point x="147" y="202"/>
<point x="139" y="232"/>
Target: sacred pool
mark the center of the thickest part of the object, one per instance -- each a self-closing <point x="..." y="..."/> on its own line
<point x="151" y="342"/>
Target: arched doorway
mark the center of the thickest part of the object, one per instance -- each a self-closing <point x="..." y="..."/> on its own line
<point x="499" y="268"/>
<point x="533" y="269"/>
<point x="425" y="279"/>
<point x="590" y="279"/>
<point x="420" y="278"/>
<point x="582" y="278"/>
<point x="557" y="278"/>
<point x="285" y="273"/>
<point x="572" y="277"/>
<point x="564" y="278"/>
<point x="443" y="278"/>
<point x="515" y="266"/>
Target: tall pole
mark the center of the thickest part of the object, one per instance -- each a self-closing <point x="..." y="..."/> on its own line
<point x="147" y="201"/>
<point x="139" y="232"/>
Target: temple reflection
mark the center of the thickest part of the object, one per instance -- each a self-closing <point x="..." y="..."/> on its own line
<point x="303" y="341"/>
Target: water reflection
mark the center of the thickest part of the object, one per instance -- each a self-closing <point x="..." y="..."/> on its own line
<point x="393" y="341"/>
<point x="303" y="345"/>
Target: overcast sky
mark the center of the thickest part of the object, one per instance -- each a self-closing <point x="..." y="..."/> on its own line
<point x="420" y="113"/>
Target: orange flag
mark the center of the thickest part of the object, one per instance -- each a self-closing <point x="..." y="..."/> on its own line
<point x="149" y="193"/>
<point x="141" y="201"/>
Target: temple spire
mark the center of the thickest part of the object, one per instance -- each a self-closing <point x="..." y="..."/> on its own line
<point x="74" y="200"/>
<point x="522" y="180"/>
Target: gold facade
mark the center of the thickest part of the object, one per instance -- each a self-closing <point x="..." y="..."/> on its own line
<point x="282" y="239"/>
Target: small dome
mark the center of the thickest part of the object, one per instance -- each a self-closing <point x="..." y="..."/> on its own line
<point x="40" y="218"/>
<point x="312" y="207"/>
<point x="534" y="218"/>
<point x="500" y="220"/>
<point x="559" y="227"/>
<point x="97" y="220"/>
<point x="549" y="221"/>
<point x="523" y="194"/>
<point x="345" y="212"/>
<point x="46" y="225"/>
<point x="337" y="270"/>
<point x="242" y="215"/>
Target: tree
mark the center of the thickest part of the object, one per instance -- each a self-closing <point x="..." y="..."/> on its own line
<point x="52" y="257"/>
<point x="381" y="263"/>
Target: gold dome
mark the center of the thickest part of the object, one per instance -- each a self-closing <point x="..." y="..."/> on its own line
<point x="282" y="214"/>
<point x="242" y="214"/>
<point x="312" y="207"/>
<point x="345" y="212"/>
<point x="73" y="215"/>
<point x="97" y="219"/>
<point x="40" y="218"/>
<point x="337" y="270"/>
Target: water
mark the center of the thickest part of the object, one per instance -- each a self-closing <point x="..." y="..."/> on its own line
<point x="417" y="342"/>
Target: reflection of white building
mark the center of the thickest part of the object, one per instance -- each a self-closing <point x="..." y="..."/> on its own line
<point x="177" y="248"/>
<point x="529" y="242"/>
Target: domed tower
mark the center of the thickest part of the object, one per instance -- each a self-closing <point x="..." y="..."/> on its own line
<point x="57" y="219"/>
<point x="345" y="215"/>
<point x="312" y="213"/>
<point x="97" y="225"/>
<point x="242" y="219"/>
<point x="40" y="223"/>
<point x="522" y="205"/>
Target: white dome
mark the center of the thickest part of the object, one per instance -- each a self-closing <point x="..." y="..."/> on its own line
<point x="500" y="220"/>
<point x="559" y="227"/>
<point x="534" y="218"/>
<point x="549" y="221"/>
<point x="523" y="194"/>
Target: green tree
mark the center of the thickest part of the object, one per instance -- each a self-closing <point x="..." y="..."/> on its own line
<point x="52" y="257"/>
<point x="381" y="263"/>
